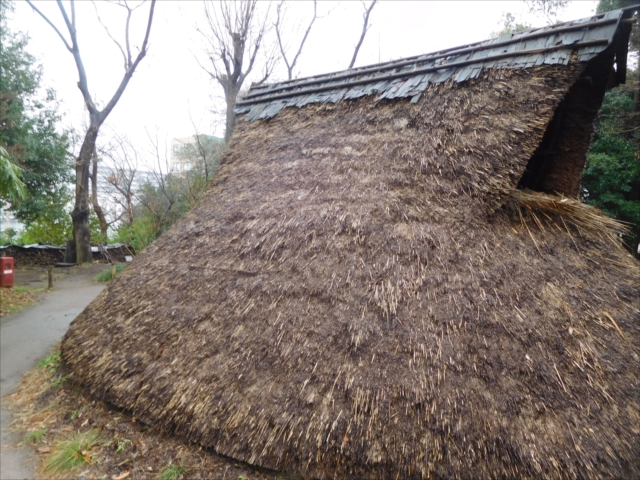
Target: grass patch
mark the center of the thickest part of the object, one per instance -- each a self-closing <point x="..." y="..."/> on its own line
<point x="119" y="444"/>
<point x="71" y="452"/>
<point x="14" y="299"/>
<point x="51" y="363"/>
<point x="35" y="436"/>
<point x="58" y="380"/>
<point x="105" y="276"/>
<point x="172" y="472"/>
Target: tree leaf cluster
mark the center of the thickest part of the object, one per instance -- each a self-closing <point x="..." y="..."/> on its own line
<point x="29" y="129"/>
<point x="611" y="179"/>
<point x="510" y="25"/>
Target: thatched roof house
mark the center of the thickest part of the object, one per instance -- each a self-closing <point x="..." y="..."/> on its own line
<point x="389" y="277"/>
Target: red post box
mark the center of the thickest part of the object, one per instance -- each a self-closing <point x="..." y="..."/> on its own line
<point x="6" y="271"/>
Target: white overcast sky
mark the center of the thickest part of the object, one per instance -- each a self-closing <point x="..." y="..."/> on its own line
<point x="169" y="90"/>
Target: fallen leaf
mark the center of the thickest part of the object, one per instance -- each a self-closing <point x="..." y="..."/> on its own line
<point x="44" y="449"/>
<point x="85" y="422"/>
<point x="121" y="476"/>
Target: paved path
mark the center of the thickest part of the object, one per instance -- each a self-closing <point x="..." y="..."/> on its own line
<point x="25" y="338"/>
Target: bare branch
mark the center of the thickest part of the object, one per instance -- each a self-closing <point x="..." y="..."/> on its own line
<point x="306" y="34"/>
<point x="80" y="213"/>
<point x="234" y="37"/>
<point x="126" y="31"/>
<point x="278" y="26"/>
<point x="73" y="48"/>
<point x="124" y="56"/>
<point x="66" y="44"/>
<point x="118" y="178"/>
<point x="365" y="28"/>
<point x="129" y="73"/>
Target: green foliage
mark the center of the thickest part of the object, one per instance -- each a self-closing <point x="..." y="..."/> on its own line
<point x="29" y="129"/>
<point x="163" y="204"/>
<point x="140" y="234"/>
<point x="11" y="187"/>
<point x="510" y="25"/>
<point x="105" y="275"/>
<point x="58" y="380"/>
<point x="54" y="227"/>
<point x="611" y="179"/>
<point x="607" y="5"/>
<point x="10" y="236"/>
<point x="51" y="363"/>
<point x="163" y="199"/>
<point x="119" y="444"/>
<point x="203" y="155"/>
<point x="172" y="472"/>
<point x="73" y="451"/>
<point x="122" y="444"/>
<point x="550" y="9"/>
<point x="35" y="436"/>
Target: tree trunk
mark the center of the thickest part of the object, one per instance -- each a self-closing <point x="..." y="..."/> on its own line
<point x="70" y="252"/>
<point x="82" y="210"/>
<point x="231" y="97"/>
<point x="635" y="111"/>
<point x="129" y="210"/>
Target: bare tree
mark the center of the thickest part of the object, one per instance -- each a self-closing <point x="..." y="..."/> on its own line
<point x="234" y="36"/>
<point x="119" y="179"/>
<point x="81" y="211"/>
<point x="160" y="196"/>
<point x="365" y="29"/>
<point x="279" y="27"/>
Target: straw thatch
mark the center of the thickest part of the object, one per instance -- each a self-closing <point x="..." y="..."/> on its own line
<point x="364" y="293"/>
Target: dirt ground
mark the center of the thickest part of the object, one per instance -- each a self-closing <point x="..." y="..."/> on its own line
<point x="37" y="277"/>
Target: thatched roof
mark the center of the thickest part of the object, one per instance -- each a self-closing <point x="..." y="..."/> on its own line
<point x="365" y="292"/>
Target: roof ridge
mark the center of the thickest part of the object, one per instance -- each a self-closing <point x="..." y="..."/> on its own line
<point x="586" y="37"/>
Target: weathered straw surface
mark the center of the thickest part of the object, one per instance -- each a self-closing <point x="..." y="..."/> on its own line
<point x="361" y="294"/>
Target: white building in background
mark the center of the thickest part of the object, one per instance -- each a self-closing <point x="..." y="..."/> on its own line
<point x="212" y="148"/>
<point x="9" y="221"/>
<point x="180" y="164"/>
